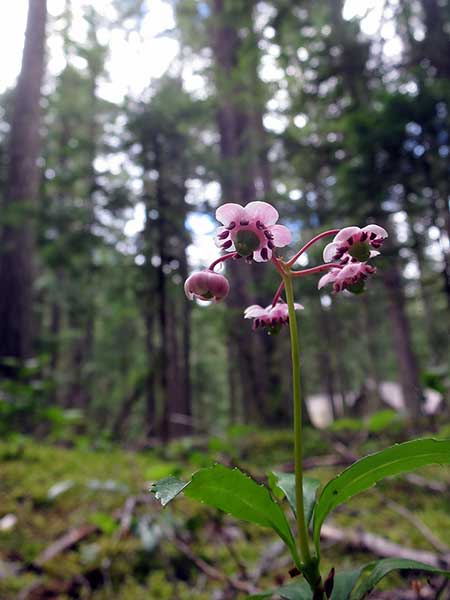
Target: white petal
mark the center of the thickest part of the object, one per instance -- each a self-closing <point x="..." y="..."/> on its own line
<point x="376" y="229"/>
<point x="329" y="251"/>
<point x="345" y="233"/>
<point x="262" y="211"/>
<point x="258" y="258"/>
<point x="281" y="235"/>
<point x="230" y="212"/>
<point x="254" y="311"/>
<point x="327" y="278"/>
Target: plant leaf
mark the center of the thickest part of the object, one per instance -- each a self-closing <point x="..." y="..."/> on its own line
<point x="365" y="577"/>
<point x="344" y="583"/>
<point x="375" y="571"/>
<point x="291" y="591"/>
<point x="167" y="489"/>
<point x="236" y="493"/>
<point x="367" y="471"/>
<point x="286" y="483"/>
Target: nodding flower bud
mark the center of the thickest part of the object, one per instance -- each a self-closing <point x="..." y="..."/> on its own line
<point x="351" y="277"/>
<point x="206" y="285"/>
<point x="271" y="318"/>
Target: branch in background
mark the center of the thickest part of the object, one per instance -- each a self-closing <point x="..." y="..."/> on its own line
<point x="361" y="540"/>
<point x="211" y="571"/>
<point x="69" y="539"/>
<point x="418" y="524"/>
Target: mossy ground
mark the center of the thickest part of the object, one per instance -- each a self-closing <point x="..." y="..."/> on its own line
<point x="52" y="489"/>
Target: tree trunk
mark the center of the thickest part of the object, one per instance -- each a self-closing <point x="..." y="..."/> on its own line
<point x="243" y="166"/>
<point x="17" y="239"/>
<point x="409" y="369"/>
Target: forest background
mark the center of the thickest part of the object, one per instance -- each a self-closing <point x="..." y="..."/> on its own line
<point x="130" y="123"/>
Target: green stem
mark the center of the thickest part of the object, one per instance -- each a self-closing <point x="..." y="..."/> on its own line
<point x="302" y="531"/>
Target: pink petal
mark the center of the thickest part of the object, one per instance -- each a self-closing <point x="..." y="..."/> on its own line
<point x="254" y="311"/>
<point x="328" y="278"/>
<point x="329" y="251"/>
<point x="262" y="211"/>
<point x="281" y="235"/>
<point x="345" y="233"/>
<point x="298" y="306"/>
<point x="229" y="213"/>
<point x="374" y="253"/>
<point x="258" y="258"/>
<point x="348" y="272"/>
<point x="377" y="230"/>
<point x="187" y="290"/>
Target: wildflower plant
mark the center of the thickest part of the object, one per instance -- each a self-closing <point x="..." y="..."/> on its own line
<point x="252" y="233"/>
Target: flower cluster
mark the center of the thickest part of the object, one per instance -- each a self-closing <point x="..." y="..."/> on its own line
<point x="252" y="232"/>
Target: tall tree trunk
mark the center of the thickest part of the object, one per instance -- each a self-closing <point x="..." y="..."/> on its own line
<point x="17" y="239"/>
<point x="240" y="144"/>
<point x="409" y="369"/>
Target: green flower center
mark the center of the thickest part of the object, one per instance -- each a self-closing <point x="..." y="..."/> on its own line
<point x="360" y="251"/>
<point x="207" y="295"/>
<point x="246" y="242"/>
<point x="356" y="288"/>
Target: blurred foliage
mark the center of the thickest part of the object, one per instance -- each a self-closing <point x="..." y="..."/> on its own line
<point x="52" y="490"/>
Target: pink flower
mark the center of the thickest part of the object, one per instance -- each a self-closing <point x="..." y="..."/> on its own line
<point x="271" y="317"/>
<point x="358" y="243"/>
<point x="206" y="285"/>
<point x="351" y="277"/>
<point x="251" y="231"/>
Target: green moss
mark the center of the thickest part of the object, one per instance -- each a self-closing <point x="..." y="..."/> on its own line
<point x="145" y="563"/>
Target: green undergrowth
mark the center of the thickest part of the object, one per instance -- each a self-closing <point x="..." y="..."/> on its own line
<point x="50" y="490"/>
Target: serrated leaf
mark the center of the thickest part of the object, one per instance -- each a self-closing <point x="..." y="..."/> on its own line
<point x="286" y="483"/>
<point x="367" y="471"/>
<point x="167" y="489"/>
<point x="375" y="571"/>
<point x="237" y="494"/>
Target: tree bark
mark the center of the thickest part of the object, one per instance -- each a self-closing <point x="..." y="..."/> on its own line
<point x="409" y="368"/>
<point x="17" y="239"/>
<point x="241" y="144"/>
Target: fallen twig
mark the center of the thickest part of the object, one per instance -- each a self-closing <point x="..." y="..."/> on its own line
<point x="380" y="546"/>
<point x="65" y="542"/>
<point x="126" y="516"/>
<point x="418" y="524"/>
<point x="212" y="572"/>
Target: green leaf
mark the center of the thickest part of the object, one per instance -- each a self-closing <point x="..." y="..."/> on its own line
<point x="167" y="489"/>
<point x="375" y="571"/>
<point x="292" y="591"/>
<point x="237" y="494"/>
<point x="344" y="583"/>
<point x="365" y="577"/>
<point x="286" y="483"/>
<point x="367" y="471"/>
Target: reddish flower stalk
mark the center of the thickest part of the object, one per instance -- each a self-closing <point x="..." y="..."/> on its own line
<point x="278" y="267"/>
<point x="278" y="293"/>
<point x="310" y="243"/>
<point x="318" y="269"/>
<point x="222" y="259"/>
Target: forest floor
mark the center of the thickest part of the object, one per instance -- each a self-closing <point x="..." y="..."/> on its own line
<point x="78" y="522"/>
